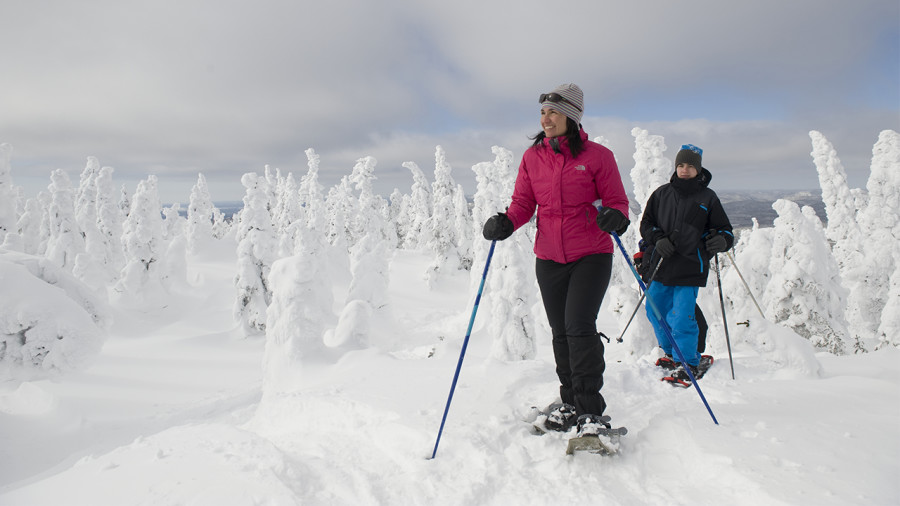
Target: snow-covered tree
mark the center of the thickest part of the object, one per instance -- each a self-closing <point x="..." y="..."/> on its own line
<point x="142" y="241"/>
<point x="370" y="209"/>
<point x="880" y="224"/>
<point x="369" y="262"/>
<point x="287" y="212"/>
<point x="651" y="170"/>
<point x="415" y="211"/>
<point x="110" y="220"/>
<point x="395" y="216"/>
<point x="29" y="227"/>
<point x="66" y="240"/>
<point x="295" y="320"/>
<point x="463" y="225"/>
<point x="805" y="292"/>
<point x="50" y="324"/>
<point x="340" y="209"/>
<point x="257" y="250"/>
<point x="312" y="201"/>
<point x="89" y="265"/>
<point x="199" y="215"/>
<point x="510" y="289"/>
<point x="8" y="216"/>
<point x="842" y="207"/>
<point x="441" y="232"/>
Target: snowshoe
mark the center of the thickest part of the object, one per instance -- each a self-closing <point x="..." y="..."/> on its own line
<point x="595" y="435"/>
<point x="681" y="378"/>
<point x="559" y="417"/>
<point x="667" y="363"/>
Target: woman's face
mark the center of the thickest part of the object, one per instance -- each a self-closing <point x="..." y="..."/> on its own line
<point x="686" y="171"/>
<point x="553" y="122"/>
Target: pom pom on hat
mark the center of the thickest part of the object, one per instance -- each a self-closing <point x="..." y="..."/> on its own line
<point x="572" y="103"/>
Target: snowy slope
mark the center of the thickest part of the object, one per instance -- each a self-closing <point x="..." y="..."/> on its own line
<point x="174" y="412"/>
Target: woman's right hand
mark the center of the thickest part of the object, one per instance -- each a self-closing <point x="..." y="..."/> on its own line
<point x="497" y="227"/>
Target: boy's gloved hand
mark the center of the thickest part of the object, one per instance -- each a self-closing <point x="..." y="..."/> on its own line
<point x="716" y="244"/>
<point x="665" y="247"/>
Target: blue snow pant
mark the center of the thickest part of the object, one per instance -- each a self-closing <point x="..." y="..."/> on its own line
<point x="676" y="304"/>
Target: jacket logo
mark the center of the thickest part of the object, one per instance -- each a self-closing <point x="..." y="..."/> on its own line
<point x="580" y="167"/>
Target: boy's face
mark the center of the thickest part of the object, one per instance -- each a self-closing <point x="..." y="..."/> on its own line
<point x="686" y="171"/>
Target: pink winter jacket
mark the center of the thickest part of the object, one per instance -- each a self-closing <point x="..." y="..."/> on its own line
<point x="564" y="190"/>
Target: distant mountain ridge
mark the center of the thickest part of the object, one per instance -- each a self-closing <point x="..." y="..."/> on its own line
<point x="741" y="206"/>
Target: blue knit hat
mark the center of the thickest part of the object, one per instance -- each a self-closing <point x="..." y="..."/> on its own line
<point x="691" y="155"/>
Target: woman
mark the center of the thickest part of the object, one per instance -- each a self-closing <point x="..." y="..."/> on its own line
<point x="561" y="176"/>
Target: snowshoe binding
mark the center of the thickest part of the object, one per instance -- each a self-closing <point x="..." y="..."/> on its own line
<point x="680" y="377"/>
<point x="558" y="417"/>
<point x="596" y="435"/>
<point x="667" y="363"/>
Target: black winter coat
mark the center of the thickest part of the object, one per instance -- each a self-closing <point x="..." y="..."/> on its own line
<point x="687" y="212"/>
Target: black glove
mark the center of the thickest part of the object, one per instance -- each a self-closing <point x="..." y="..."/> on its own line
<point x="610" y="220"/>
<point x="716" y="244"/>
<point x="497" y="227"/>
<point x="665" y="247"/>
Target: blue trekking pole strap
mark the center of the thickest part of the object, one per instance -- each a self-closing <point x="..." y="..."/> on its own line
<point x="465" y="345"/>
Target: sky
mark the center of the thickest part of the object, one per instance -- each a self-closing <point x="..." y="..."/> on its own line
<point x="227" y="87"/>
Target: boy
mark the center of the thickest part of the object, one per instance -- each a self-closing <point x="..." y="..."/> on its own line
<point x="687" y="224"/>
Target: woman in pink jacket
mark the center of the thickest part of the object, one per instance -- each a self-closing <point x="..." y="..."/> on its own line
<point x="562" y="176"/>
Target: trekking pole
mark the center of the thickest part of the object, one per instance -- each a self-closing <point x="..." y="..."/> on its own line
<point x="465" y="345"/>
<point x="643" y="294"/>
<point x="731" y="257"/>
<point x="665" y="326"/>
<point x="724" y="320"/>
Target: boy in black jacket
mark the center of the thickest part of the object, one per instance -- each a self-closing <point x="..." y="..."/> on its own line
<point x="687" y="224"/>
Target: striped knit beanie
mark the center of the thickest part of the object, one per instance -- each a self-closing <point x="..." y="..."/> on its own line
<point x="572" y="106"/>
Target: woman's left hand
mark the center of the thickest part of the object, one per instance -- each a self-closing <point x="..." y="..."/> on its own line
<point x="612" y="220"/>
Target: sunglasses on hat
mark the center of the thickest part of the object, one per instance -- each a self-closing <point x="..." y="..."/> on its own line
<point x="555" y="98"/>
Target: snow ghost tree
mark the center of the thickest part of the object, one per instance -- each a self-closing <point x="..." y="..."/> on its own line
<point x="369" y="262"/>
<point x="881" y="225"/>
<point x="256" y="251"/>
<point x="415" y="210"/>
<point x="296" y="319"/>
<point x="511" y="285"/>
<point x="442" y="236"/>
<point x="66" y="241"/>
<point x="199" y="215"/>
<point x="142" y="240"/>
<point x="805" y="291"/>
<point x="651" y="170"/>
<point x="842" y="207"/>
<point x="29" y="227"/>
<point x="7" y="193"/>
<point x="110" y="220"/>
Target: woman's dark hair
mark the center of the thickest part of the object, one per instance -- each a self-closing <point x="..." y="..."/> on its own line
<point x="573" y="135"/>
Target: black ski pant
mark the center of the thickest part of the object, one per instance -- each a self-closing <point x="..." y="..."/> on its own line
<point x="572" y="294"/>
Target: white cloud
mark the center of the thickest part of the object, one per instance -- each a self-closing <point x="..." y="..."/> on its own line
<point x="226" y="87"/>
